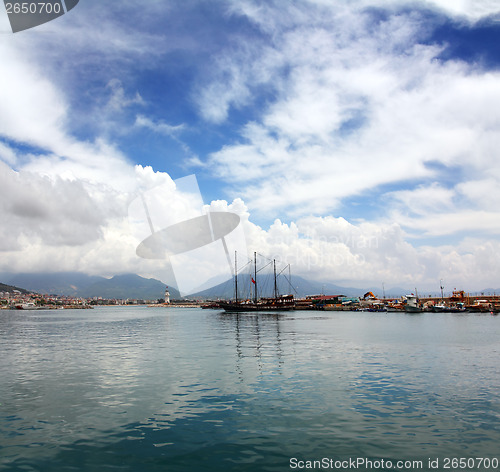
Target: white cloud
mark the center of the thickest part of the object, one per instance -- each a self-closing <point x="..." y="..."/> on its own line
<point x="425" y="199"/>
<point x="228" y="89"/>
<point x="483" y="193"/>
<point x="64" y="200"/>
<point x="31" y="109"/>
<point x="369" y="254"/>
<point x="118" y="99"/>
<point x="362" y="105"/>
<point x="34" y="112"/>
<point x="467" y="221"/>
<point x="65" y="205"/>
<point x="56" y="224"/>
<point x="358" y="105"/>
<point x="7" y="154"/>
<point x="473" y="9"/>
<point x="470" y="9"/>
<point x="160" y="127"/>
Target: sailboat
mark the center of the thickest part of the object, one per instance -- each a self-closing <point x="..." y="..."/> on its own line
<point x="275" y="303"/>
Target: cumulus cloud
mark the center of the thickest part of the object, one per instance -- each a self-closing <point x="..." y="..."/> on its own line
<point x="369" y="254"/>
<point x="64" y="200"/>
<point x="54" y="223"/>
<point x="58" y="196"/>
<point x="57" y="212"/>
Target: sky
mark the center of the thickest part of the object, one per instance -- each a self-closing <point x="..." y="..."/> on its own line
<point x="357" y="140"/>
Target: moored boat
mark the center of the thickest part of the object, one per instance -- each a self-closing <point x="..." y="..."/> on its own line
<point x="481" y="306"/>
<point x="27" y="306"/>
<point x="281" y="303"/>
<point x="440" y="308"/>
<point x="275" y="303"/>
<point x="412" y="304"/>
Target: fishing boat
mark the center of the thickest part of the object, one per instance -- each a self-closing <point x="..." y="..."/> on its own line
<point x="480" y="306"/>
<point x="439" y="308"/>
<point x="276" y="303"/>
<point x="27" y="306"/>
<point x="412" y="304"/>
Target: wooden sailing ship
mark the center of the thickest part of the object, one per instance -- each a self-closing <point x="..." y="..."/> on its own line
<point x="275" y="303"/>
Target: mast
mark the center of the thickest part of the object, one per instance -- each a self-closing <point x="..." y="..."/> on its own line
<point x="235" y="278"/>
<point x="290" y="277"/>
<point x="255" y="275"/>
<point x="275" y="284"/>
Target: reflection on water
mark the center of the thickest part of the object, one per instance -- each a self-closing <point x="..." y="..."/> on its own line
<point x="257" y="337"/>
<point x="182" y="389"/>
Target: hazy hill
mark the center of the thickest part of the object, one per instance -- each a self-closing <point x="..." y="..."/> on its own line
<point x="11" y="289"/>
<point x="299" y="287"/>
<point x="136" y="287"/>
<point x="490" y="291"/>
<point x="60" y="283"/>
<point x="129" y="286"/>
<point x="77" y="284"/>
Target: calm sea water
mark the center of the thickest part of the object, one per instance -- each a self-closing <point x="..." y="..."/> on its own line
<point x="155" y="389"/>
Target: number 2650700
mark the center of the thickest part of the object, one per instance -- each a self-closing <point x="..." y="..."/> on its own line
<point x="33" y="8"/>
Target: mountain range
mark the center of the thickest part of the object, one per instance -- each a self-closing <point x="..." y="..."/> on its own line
<point x="298" y="286"/>
<point x="76" y="284"/>
<point x="133" y="286"/>
<point x="11" y="289"/>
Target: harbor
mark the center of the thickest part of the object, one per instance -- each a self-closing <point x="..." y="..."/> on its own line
<point x="458" y="301"/>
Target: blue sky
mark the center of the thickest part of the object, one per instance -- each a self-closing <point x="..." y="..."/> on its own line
<point x="324" y="124"/>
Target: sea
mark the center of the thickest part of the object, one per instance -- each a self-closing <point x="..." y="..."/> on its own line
<point x="155" y="389"/>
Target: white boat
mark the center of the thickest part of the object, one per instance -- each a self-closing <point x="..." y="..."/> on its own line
<point x="27" y="306"/>
<point x="412" y="304"/>
<point x="441" y="308"/>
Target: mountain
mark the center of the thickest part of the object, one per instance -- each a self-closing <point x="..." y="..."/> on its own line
<point x="489" y="291"/>
<point x="299" y="287"/>
<point x="11" y="289"/>
<point x="76" y="284"/>
<point x="129" y="286"/>
<point x="306" y="287"/>
<point x="59" y="283"/>
<point x="133" y="286"/>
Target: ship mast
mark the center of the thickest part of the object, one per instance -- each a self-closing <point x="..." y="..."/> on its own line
<point x="255" y="275"/>
<point x="275" y="283"/>
<point x="235" y="278"/>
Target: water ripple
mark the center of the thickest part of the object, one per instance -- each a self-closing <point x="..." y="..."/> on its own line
<point x="133" y="389"/>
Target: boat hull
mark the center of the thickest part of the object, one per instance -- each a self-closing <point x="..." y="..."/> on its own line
<point x="413" y="309"/>
<point x="252" y="307"/>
